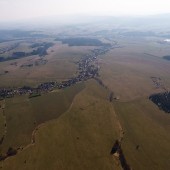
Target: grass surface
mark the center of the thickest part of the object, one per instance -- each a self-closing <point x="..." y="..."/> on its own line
<point x="146" y="126"/>
<point x="24" y="114"/>
<point x="81" y="138"/>
<point x="81" y="135"/>
<point x="127" y="71"/>
<point x="60" y="66"/>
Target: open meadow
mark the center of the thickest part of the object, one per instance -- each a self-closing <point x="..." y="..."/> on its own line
<point x="81" y="138"/>
<point x="79" y="98"/>
<point x="58" y="65"/>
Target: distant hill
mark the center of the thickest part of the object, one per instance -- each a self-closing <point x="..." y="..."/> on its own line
<point x="151" y="21"/>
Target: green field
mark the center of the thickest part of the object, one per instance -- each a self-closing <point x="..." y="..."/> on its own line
<point x="81" y="138"/>
<point x="24" y="114"/>
<point x="146" y="126"/>
<point x="127" y="71"/>
<point x="60" y="66"/>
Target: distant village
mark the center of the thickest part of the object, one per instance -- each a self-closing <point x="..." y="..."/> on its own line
<point x="87" y="69"/>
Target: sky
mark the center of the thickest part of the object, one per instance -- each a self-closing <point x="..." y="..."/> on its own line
<point x="11" y="10"/>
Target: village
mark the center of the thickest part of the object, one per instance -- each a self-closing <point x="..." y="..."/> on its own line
<point x="87" y="68"/>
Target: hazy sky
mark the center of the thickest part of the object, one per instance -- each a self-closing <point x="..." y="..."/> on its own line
<point x="22" y="9"/>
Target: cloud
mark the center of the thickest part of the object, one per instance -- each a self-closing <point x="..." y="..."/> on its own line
<point x="22" y="9"/>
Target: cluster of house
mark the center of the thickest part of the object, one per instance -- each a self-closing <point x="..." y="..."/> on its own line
<point x="158" y="83"/>
<point x="87" y="67"/>
<point x="8" y="93"/>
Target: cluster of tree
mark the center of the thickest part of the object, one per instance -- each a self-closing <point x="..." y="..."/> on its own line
<point x="138" y="33"/>
<point x="41" y="51"/>
<point x="8" y="35"/>
<point x="167" y="57"/>
<point x="117" y="149"/>
<point x="42" y="48"/>
<point x="162" y="100"/>
<point x="9" y="48"/>
<point x="43" y="44"/>
<point x="81" y="41"/>
<point x="15" y="55"/>
<point x="100" y="82"/>
<point x="11" y="152"/>
<point x="34" y="95"/>
<point x="111" y="97"/>
<point x="123" y="161"/>
<point x="26" y="65"/>
<point x="1" y="140"/>
<point x="4" y="72"/>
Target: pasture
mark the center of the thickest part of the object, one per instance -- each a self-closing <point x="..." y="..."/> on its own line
<point x="59" y="65"/>
<point x="76" y="127"/>
<point x="81" y="138"/>
<point x="24" y="114"/>
<point x="127" y="71"/>
<point x="146" y="134"/>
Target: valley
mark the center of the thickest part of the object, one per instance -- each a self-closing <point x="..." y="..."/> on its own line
<point x="71" y="99"/>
